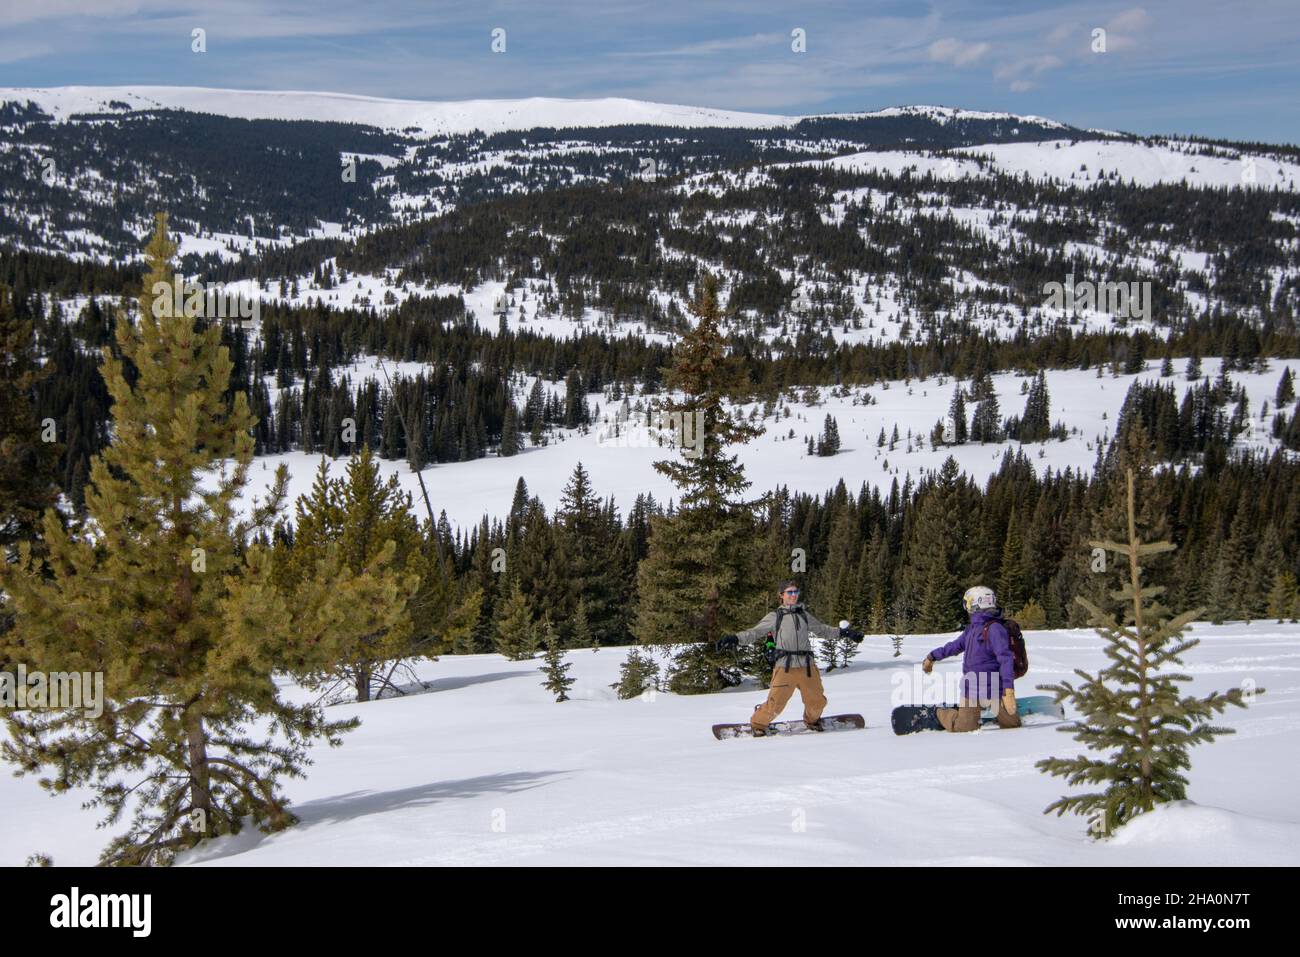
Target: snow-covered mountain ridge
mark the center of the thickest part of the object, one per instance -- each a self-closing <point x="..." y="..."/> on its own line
<point x="434" y="117"/>
<point x="975" y="192"/>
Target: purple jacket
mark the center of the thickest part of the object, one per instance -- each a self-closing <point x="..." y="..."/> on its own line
<point x="982" y="657"/>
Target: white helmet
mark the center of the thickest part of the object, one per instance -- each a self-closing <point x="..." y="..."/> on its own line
<point x="979" y="597"/>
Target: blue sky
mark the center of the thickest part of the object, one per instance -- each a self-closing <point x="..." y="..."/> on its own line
<point x="1224" y="68"/>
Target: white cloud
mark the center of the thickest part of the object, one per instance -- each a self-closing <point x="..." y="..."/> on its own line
<point x="1022" y="73"/>
<point x="710" y="47"/>
<point x="14" y="14"/>
<point x="957" y="52"/>
<point x="1133" y="19"/>
<point x="1031" y="66"/>
<point x="1121" y="30"/>
<point x="1062" y="33"/>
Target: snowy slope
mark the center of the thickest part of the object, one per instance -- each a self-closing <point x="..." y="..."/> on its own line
<point x="622" y="465"/>
<point x="1142" y="164"/>
<point x="487" y="769"/>
<point x="1085" y="164"/>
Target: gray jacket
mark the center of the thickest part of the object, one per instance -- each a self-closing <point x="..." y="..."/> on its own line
<point x="797" y="624"/>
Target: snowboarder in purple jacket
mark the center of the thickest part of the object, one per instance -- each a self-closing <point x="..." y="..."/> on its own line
<point x="988" y="665"/>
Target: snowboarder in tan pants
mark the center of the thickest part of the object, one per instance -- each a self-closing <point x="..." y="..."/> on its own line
<point x="789" y="626"/>
<point x="988" y="666"/>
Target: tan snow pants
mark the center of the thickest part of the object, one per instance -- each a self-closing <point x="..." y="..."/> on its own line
<point x="806" y="679"/>
<point x="966" y="717"/>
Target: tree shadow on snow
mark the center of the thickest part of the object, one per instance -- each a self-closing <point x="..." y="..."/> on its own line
<point x="355" y="804"/>
<point x="452" y="683"/>
<point x="359" y="804"/>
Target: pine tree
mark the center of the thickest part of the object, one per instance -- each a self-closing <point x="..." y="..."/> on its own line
<point x="848" y="650"/>
<point x="1193" y="367"/>
<point x="1132" y="708"/>
<point x="1228" y="571"/>
<point x="830" y="439"/>
<point x="516" y="634"/>
<point x="534" y="413"/>
<point x="703" y="571"/>
<point x="184" y="589"/>
<point x="510" y="431"/>
<point x="1284" y="597"/>
<point x="1258" y="574"/>
<point x="1031" y="616"/>
<point x="575" y="401"/>
<point x="957" y="414"/>
<point x="1134" y="359"/>
<point x="828" y="651"/>
<point x="1013" y="570"/>
<point x="876" y="621"/>
<point x="1285" y="389"/>
<point x="1036" y="423"/>
<point x="366" y="520"/>
<point x="986" y="423"/>
<point x="835" y="588"/>
<point x="1106" y="517"/>
<point x="28" y="463"/>
<point x="584" y="543"/>
<point x="581" y="636"/>
<point x="518" y="508"/>
<point x="556" y="669"/>
<point x="935" y="566"/>
<point x="636" y="675"/>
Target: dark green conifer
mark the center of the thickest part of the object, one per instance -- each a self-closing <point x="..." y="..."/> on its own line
<point x="1132" y="709"/>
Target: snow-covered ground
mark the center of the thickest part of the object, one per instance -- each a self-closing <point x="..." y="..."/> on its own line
<point x="1087" y="163"/>
<point x="486" y="768"/>
<point x="622" y="465"/>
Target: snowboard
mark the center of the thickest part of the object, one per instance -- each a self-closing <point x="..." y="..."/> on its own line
<point x="909" y="719"/>
<point x="830" y="722"/>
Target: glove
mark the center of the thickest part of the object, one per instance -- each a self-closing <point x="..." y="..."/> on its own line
<point x="928" y="665"/>
<point x="1009" y="700"/>
<point x="727" y="642"/>
<point x="854" y="636"/>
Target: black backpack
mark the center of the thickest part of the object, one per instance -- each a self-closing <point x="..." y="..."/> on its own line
<point x="1017" y="640"/>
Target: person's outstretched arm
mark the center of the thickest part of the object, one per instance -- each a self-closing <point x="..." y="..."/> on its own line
<point x="821" y="629"/>
<point x="758" y="631"/>
<point x="954" y="647"/>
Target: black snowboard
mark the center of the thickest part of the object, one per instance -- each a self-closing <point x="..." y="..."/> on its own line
<point x="830" y="722"/>
<point x="921" y="717"/>
<point x="910" y="718"/>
